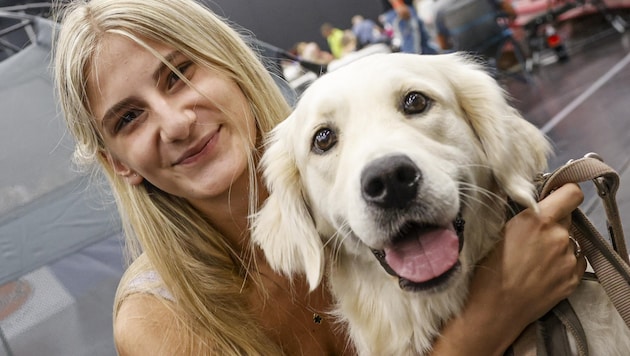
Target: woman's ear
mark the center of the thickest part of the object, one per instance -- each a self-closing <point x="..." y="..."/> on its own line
<point x="121" y="169"/>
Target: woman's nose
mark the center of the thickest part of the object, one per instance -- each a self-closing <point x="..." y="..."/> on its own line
<point x="175" y="123"/>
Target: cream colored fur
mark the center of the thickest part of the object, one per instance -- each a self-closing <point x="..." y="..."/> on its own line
<point x="474" y="150"/>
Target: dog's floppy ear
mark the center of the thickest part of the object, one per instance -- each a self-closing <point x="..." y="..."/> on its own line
<point x="515" y="149"/>
<point x="283" y="227"/>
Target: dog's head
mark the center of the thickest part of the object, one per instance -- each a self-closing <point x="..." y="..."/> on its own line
<point x="387" y="154"/>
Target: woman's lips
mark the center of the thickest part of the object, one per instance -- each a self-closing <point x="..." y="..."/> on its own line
<point x="199" y="150"/>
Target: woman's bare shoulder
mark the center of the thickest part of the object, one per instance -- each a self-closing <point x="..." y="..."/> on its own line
<point x="146" y="325"/>
<point x="140" y="326"/>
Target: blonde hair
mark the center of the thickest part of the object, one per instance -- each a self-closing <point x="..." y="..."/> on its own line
<point x="199" y="266"/>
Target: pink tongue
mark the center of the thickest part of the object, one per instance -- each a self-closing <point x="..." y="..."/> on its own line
<point x="424" y="257"/>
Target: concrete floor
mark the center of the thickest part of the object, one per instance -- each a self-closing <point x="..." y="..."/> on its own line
<point x="584" y="106"/>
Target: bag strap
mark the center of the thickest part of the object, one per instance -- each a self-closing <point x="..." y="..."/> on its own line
<point x="610" y="264"/>
<point x="568" y="324"/>
<point x="609" y="260"/>
<point x="606" y="179"/>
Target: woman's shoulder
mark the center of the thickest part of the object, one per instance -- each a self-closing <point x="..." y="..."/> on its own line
<point x="146" y="325"/>
<point x="143" y="325"/>
<point x="146" y="320"/>
<point x="141" y="278"/>
<point x="140" y="282"/>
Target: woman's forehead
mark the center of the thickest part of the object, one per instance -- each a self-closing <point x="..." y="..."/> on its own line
<point x="117" y="49"/>
<point x="116" y="67"/>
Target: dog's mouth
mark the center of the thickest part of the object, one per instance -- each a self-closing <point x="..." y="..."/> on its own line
<point x="423" y="256"/>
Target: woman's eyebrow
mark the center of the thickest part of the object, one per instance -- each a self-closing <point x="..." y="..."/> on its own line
<point x="114" y="109"/>
<point x="112" y="112"/>
<point x="169" y="58"/>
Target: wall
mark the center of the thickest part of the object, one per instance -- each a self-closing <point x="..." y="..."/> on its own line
<point x="283" y="23"/>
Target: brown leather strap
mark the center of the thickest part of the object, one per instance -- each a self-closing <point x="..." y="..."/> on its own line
<point x="612" y="271"/>
<point x="605" y="179"/>
<point x="610" y="266"/>
<point x="527" y="343"/>
<point x="549" y="335"/>
<point x="557" y="342"/>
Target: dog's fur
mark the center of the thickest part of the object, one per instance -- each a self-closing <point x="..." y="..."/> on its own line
<point x="362" y="161"/>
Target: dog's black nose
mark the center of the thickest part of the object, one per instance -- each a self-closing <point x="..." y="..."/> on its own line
<point x="390" y="182"/>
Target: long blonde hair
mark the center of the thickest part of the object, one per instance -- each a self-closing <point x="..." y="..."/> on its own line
<point x="198" y="264"/>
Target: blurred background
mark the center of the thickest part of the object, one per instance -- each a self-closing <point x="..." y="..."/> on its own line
<point x="564" y="64"/>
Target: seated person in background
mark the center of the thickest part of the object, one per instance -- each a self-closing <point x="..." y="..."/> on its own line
<point x="367" y="32"/>
<point x="349" y="43"/>
<point x="409" y="32"/>
<point x="333" y="36"/>
<point x="310" y="51"/>
<point x="443" y="36"/>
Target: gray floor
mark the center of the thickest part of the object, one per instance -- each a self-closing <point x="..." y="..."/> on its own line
<point x="584" y="106"/>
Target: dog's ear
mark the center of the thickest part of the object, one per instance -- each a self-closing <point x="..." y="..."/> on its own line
<point x="515" y="149"/>
<point x="283" y="227"/>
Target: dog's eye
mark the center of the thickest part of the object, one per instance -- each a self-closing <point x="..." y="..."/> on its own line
<point x="324" y="140"/>
<point x="415" y="103"/>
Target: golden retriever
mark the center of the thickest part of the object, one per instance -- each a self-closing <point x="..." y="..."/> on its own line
<point x="392" y="176"/>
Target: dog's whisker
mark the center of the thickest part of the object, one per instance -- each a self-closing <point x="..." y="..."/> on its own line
<point x="491" y="201"/>
<point x="330" y="239"/>
<point x="337" y="239"/>
<point x="470" y="198"/>
<point x="490" y="195"/>
<point x="485" y="192"/>
<point x="339" y="243"/>
<point x="476" y="165"/>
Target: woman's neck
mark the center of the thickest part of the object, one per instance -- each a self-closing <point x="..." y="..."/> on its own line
<point x="229" y="212"/>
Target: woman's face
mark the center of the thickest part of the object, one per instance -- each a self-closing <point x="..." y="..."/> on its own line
<point x="158" y="128"/>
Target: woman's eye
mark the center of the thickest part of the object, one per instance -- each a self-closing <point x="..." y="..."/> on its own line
<point x="415" y="103"/>
<point x="324" y="140"/>
<point x="173" y="78"/>
<point x="126" y="119"/>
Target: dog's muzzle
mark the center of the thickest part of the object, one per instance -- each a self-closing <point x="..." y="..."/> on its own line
<point x="421" y="255"/>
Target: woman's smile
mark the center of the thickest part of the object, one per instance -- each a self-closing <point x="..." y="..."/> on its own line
<point x="186" y="131"/>
<point x="200" y="150"/>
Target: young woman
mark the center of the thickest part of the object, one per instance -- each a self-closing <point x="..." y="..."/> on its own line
<point x="171" y="104"/>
